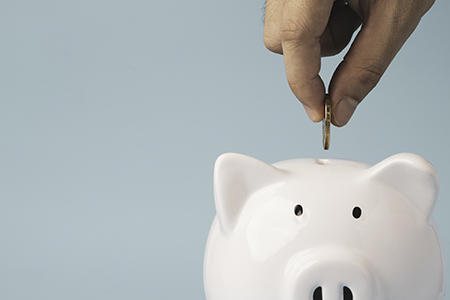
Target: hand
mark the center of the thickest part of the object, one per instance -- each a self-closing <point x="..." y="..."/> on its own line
<point x="305" y="30"/>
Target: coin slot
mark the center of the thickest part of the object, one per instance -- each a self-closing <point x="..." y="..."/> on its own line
<point x="322" y="161"/>
<point x="317" y="295"/>
<point x="298" y="210"/>
<point x="347" y="294"/>
<point x="357" y="212"/>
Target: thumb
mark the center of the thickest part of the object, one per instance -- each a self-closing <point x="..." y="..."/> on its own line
<point x="374" y="48"/>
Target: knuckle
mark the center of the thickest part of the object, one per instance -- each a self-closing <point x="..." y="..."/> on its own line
<point x="293" y="30"/>
<point x="370" y="74"/>
<point x="273" y="43"/>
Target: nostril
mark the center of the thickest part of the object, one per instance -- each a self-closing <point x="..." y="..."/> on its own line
<point x="347" y="294"/>
<point x="317" y="294"/>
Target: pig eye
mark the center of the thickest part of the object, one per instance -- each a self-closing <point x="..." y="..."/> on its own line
<point x="298" y="210"/>
<point x="357" y="212"/>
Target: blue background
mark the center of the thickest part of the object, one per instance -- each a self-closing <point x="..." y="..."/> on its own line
<point x="112" y="114"/>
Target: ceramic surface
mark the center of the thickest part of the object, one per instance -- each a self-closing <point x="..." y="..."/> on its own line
<point x="324" y="229"/>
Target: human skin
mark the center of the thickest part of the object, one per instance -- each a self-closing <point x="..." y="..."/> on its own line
<point x="306" y="30"/>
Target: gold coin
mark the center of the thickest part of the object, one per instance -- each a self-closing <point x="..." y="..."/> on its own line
<point x="326" y="123"/>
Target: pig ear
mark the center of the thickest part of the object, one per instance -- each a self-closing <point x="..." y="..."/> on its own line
<point x="411" y="175"/>
<point x="236" y="178"/>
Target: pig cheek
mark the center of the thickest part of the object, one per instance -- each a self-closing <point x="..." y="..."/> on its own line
<point x="272" y="227"/>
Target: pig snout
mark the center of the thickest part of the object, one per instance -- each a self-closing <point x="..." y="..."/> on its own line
<point x="329" y="275"/>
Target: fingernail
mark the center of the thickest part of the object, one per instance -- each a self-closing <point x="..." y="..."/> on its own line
<point x="311" y="113"/>
<point x="344" y="110"/>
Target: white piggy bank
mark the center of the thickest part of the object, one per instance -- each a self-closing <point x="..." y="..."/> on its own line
<point x="307" y="229"/>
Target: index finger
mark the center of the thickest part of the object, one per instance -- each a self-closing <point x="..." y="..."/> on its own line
<point x="303" y="23"/>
